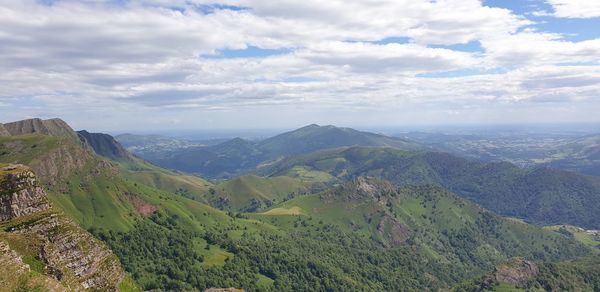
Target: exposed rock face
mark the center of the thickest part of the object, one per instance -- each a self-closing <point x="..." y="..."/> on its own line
<point x="516" y="272"/>
<point x="16" y="274"/>
<point x="70" y="254"/>
<point x="393" y="232"/>
<point x="20" y="194"/>
<point x="52" y="127"/>
<point x="104" y="145"/>
<point x="372" y="190"/>
<point x="3" y="131"/>
<point x="62" y="162"/>
<point x="364" y="188"/>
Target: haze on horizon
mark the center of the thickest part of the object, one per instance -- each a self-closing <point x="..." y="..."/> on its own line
<point x="196" y="64"/>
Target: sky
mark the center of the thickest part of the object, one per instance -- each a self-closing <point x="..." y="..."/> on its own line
<point x="174" y="64"/>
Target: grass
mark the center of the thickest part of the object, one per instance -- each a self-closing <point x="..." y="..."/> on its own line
<point x="254" y="192"/>
<point x="263" y="282"/>
<point x="285" y="211"/>
<point x="309" y="175"/>
<point x="128" y="285"/>
<point x="578" y="233"/>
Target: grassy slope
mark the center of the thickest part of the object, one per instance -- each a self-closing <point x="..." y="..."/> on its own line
<point x="249" y="193"/>
<point x="578" y="234"/>
<point x="545" y="196"/>
<point x="97" y="194"/>
<point x="443" y="226"/>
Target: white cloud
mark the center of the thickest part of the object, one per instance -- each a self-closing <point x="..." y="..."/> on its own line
<point x="575" y="8"/>
<point x="143" y="59"/>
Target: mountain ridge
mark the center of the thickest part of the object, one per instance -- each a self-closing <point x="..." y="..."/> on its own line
<point x="238" y="156"/>
<point x="104" y="145"/>
<point x="541" y="195"/>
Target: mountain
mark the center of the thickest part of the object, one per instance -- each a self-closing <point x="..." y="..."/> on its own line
<point x="449" y="235"/>
<point x="362" y="236"/>
<point x="42" y="248"/>
<point x="545" y="196"/>
<point x="51" y="127"/>
<point x="315" y="137"/>
<point x="239" y="156"/>
<point x="104" y="145"/>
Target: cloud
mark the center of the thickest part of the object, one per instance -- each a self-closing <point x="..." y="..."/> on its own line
<point x="575" y="8"/>
<point x="148" y="59"/>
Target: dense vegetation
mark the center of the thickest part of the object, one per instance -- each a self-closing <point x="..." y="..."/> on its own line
<point x="365" y="234"/>
<point x="579" y="275"/>
<point x="544" y="195"/>
<point x="328" y="251"/>
<point x="160" y="254"/>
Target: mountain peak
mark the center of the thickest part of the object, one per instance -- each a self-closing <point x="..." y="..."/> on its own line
<point x="52" y="127"/>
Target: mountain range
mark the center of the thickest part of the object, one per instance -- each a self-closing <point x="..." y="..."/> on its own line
<point x="238" y="156"/>
<point x="359" y="212"/>
<point x="544" y="195"/>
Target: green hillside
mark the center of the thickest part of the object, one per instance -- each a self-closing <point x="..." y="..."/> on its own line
<point x="576" y="275"/>
<point x="251" y="193"/>
<point x="442" y="225"/>
<point x="354" y="238"/>
<point x="545" y="196"/>
<point x="238" y="156"/>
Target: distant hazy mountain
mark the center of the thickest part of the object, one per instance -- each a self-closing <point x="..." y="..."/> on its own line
<point x="542" y="195"/>
<point x="567" y="151"/>
<point x="237" y="156"/>
<point x="581" y="155"/>
<point x="315" y="137"/>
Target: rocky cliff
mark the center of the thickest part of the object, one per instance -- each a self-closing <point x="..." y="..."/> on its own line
<point x="104" y="145"/>
<point x="19" y="193"/>
<point x="45" y="245"/>
<point x="51" y="127"/>
<point x="3" y="131"/>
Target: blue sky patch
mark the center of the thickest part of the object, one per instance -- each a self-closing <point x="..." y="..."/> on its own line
<point x="472" y="46"/>
<point x="249" y="52"/>
<point x="463" y="72"/>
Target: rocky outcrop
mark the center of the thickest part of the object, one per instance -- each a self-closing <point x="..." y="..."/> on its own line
<point x="375" y="191"/>
<point x="51" y="127"/>
<point x="104" y="145"/>
<point x="69" y="254"/>
<point x="61" y="163"/>
<point x="20" y="195"/>
<point x="72" y="255"/>
<point x="516" y="272"/>
<point x="16" y="275"/>
<point x="361" y="189"/>
<point x="393" y="232"/>
<point x="3" y="131"/>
